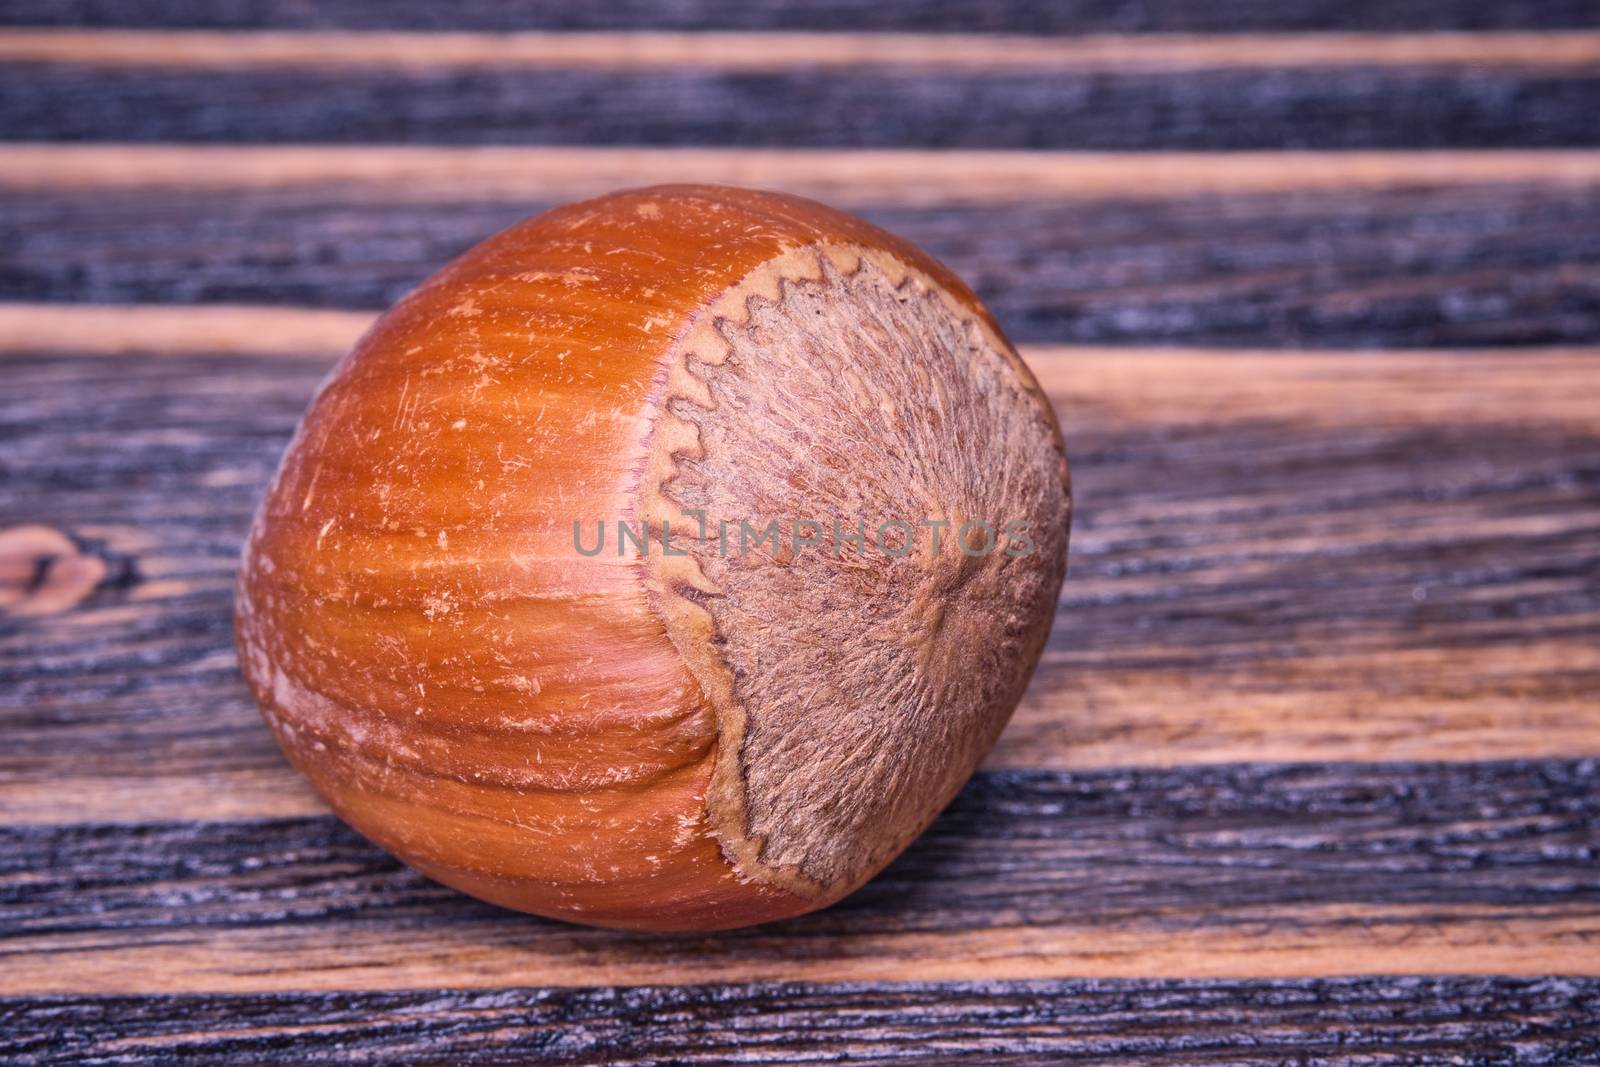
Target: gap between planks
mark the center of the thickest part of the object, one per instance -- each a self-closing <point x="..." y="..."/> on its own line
<point x="849" y="178"/>
<point x="764" y="52"/>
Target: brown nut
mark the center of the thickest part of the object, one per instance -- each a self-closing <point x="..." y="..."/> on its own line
<point x="726" y="726"/>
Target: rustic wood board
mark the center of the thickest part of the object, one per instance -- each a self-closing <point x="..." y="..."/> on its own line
<point x="1235" y="871"/>
<point x="1141" y="95"/>
<point x="1311" y="770"/>
<point x="1411" y="548"/>
<point x="1396" y="265"/>
<point x="1368" y="1020"/>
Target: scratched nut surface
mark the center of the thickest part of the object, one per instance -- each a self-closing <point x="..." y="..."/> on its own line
<point x="666" y="562"/>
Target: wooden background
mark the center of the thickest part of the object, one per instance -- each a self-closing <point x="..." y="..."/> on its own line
<point x="1310" y="772"/>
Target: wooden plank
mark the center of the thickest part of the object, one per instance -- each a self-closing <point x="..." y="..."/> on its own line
<point x="154" y="331"/>
<point x="1403" y="265"/>
<point x="771" y="52"/>
<point x="427" y="951"/>
<point x="1306" y="1021"/>
<point x="1276" y="556"/>
<point x="855" y="178"/>
<point x="949" y="16"/>
<point x="1233" y="871"/>
<point x="1345" y="107"/>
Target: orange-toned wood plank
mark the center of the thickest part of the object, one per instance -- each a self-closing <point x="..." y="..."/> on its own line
<point x="517" y="950"/>
<point x="154" y="330"/>
<point x="846" y="178"/>
<point x="221" y="50"/>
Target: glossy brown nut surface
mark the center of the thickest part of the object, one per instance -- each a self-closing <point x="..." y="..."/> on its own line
<point x="717" y="730"/>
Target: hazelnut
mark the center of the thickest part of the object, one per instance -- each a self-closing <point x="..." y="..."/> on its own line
<point x="667" y="561"/>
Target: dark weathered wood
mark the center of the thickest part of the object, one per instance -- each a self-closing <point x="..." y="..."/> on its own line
<point x="1280" y="557"/>
<point x="1459" y="1020"/>
<point x="1419" y="267"/>
<point x="1244" y="860"/>
<point x="953" y="16"/>
<point x="1338" y="107"/>
<point x="1017" y="848"/>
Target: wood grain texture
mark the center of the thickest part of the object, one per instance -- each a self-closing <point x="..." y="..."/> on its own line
<point x="1324" y="693"/>
<point x="855" y="178"/>
<point x="1345" y="107"/>
<point x="1412" y="265"/>
<point x="771" y="52"/>
<point x="154" y="330"/>
<point x="1228" y="871"/>
<point x="946" y="16"/>
<point x="1395" y="562"/>
<point x="1475" y="1021"/>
